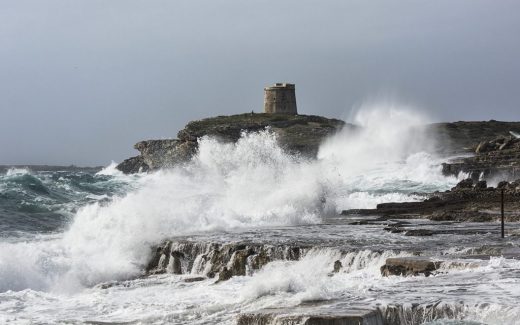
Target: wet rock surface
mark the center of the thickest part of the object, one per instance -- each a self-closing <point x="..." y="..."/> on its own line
<point x="217" y="260"/>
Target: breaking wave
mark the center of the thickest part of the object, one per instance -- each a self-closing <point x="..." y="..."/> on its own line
<point x="250" y="183"/>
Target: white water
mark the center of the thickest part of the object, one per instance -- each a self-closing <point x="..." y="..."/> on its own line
<point x="167" y="299"/>
<point x="252" y="183"/>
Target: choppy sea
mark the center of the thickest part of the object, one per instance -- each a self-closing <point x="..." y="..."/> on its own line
<point x="63" y="233"/>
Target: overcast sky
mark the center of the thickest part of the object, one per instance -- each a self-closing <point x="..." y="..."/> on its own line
<point x="82" y="81"/>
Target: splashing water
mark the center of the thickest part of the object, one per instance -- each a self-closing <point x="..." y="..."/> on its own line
<point x="251" y="183"/>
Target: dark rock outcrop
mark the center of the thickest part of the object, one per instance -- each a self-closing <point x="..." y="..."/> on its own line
<point x="299" y="134"/>
<point x="406" y="266"/>
<point x="221" y="260"/>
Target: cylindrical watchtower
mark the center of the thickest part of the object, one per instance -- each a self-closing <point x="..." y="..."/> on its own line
<point x="280" y="98"/>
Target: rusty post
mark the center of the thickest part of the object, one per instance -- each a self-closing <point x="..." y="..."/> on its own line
<point x="502" y="213"/>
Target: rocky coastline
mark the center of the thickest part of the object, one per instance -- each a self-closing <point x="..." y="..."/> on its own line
<point x="483" y="152"/>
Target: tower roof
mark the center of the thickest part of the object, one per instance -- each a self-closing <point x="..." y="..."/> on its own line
<point x="281" y="85"/>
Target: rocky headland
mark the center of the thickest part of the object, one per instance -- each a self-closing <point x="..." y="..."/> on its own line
<point x="482" y="147"/>
<point x="482" y="152"/>
<point x="300" y="134"/>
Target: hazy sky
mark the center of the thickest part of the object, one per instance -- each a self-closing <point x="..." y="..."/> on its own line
<point x="82" y="81"/>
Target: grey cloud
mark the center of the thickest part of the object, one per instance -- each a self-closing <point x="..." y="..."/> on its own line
<point x="81" y="81"/>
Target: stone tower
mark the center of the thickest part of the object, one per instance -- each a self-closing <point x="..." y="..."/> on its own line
<point x="280" y="98"/>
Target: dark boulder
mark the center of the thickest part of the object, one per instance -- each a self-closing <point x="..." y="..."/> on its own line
<point x="405" y="266"/>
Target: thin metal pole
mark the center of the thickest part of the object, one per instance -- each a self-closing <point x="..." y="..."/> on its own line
<point x="502" y="212"/>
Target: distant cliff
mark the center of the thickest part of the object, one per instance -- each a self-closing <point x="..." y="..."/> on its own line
<point x="301" y="134"/>
<point x="462" y="136"/>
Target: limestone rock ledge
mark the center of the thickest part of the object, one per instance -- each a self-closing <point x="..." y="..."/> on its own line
<point x="222" y="261"/>
<point x="300" y="134"/>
